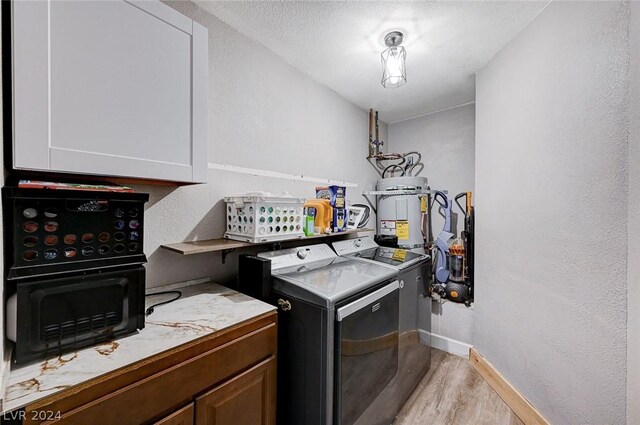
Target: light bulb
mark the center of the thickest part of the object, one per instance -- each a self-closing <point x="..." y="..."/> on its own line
<point x="393" y="67"/>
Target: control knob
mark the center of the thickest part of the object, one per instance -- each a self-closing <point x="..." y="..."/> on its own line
<point x="285" y="305"/>
<point x="302" y="254"/>
<point x="357" y="243"/>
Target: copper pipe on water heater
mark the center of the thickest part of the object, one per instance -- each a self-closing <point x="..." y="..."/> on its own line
<point x="371" y="146"/>
<point x="377" y="142"/>
<point x="377" y="157"/>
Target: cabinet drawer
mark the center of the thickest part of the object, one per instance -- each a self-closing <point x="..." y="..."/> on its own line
<point x="157" y="395"/>
<point x="183" y="416"/>
<point x="247" y="399"/>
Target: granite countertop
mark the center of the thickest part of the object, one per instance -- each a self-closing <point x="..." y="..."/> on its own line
<point x="203" y="309"/>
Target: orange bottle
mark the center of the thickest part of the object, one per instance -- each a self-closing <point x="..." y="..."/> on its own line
<point x="324" y="213"/>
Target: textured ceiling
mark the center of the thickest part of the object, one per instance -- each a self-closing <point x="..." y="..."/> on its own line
<point x="339" y="44"/>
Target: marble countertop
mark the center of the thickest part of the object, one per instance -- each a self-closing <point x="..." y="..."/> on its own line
<point x="203" y="309"/>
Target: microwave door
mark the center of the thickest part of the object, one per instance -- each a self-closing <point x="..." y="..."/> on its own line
<point x="53" y="316"/>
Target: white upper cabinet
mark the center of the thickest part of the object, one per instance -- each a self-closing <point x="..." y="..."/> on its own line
<point x="114" y="88"/>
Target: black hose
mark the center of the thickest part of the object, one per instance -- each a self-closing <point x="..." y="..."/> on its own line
<point x="365" y="215"/>
<point x="408" y="169"/>
<point x="458" y="196"/>
<point x="419" y="164"/>
<point x="392" y="166"/>
<point x="414" y="153"/>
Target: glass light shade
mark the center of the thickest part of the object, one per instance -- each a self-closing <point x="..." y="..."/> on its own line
<point x="394" y="73"/>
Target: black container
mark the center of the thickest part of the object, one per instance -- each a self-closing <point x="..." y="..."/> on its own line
<point x="57" y="231"/>
<point x="254" y="276"/>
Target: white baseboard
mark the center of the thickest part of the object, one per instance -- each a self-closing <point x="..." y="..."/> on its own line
<point x="444" y="343"/>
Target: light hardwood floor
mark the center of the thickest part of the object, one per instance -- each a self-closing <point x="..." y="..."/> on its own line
<point x="453" y="393"/>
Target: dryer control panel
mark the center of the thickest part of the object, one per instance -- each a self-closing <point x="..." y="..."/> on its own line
<point x="351" y="246"/>
<point x="298" y="256"/>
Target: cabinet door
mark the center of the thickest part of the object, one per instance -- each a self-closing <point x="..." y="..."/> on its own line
<point x="183" y="416"/>
<point x="116" y="88"/>
<point x="247" y="399"/>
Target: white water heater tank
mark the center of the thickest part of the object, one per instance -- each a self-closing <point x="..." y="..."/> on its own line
<point x="401" y="214"/>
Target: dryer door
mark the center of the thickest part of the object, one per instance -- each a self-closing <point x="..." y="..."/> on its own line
<point x="367" y="351"/>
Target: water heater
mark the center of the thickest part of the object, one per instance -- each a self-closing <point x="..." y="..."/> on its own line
<point x="399" y="212"/>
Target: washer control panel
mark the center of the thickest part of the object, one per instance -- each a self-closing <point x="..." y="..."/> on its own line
<point x="298" y="256"/>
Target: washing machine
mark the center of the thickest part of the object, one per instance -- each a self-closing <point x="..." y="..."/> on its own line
<point x="412" y="272"/>
<point x="338" y="334"/>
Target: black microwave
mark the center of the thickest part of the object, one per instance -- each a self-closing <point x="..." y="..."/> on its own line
<point x="49" y="316"/>
<point x="74" y="268"/>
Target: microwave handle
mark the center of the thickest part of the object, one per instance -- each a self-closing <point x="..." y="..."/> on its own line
<point x="361" y="303"/>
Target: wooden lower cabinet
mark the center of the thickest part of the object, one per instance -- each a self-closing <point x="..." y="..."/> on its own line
<point x="247" y="399"/>
<point x="226" y="378"/>
<point x="183" y="416"/>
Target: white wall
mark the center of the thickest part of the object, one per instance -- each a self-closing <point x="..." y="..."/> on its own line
<point x="551" y="174"/>
<point x="633" y="298"/>
<point x="446" y="141"/>
<point x="263" y="114"/>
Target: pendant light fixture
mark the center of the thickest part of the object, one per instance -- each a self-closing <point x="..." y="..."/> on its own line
<point x="394" y="73"/>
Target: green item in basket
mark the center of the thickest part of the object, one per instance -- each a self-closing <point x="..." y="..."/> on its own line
<point x="309" y="221"/>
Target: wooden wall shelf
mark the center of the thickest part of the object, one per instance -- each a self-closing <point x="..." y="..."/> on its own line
<point x="227" y="245"/>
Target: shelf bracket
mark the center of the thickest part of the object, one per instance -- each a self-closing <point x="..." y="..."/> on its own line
<point x="226" y="252"/>
<point x="373" y="207"/>
<point x="276" y="246"/>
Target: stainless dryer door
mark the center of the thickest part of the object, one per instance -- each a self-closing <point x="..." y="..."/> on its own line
<point x="367" y="351"/>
